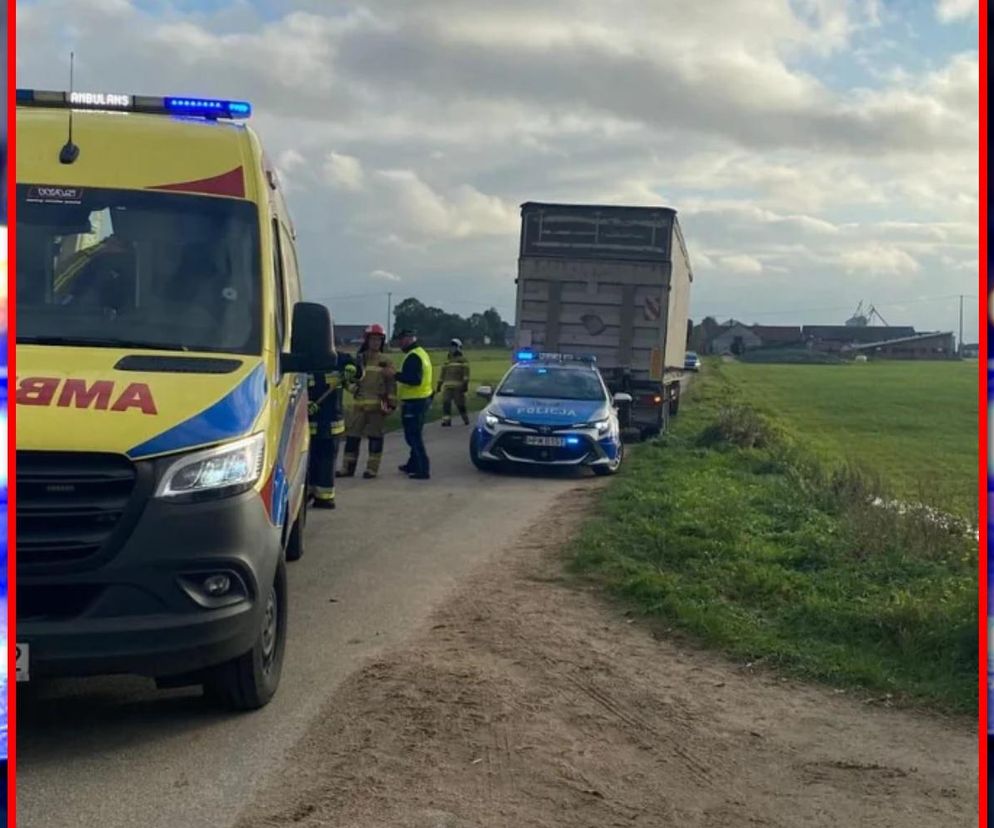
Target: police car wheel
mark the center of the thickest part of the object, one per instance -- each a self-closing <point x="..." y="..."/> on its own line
<point x="249" y="681"/>
<point x="474" y="456"/>
<point x="611" y="468"/>
<point x="295" y="543"/>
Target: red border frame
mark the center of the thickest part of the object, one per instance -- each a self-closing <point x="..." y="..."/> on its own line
<point x="984" y="319"/>
<point x="11" y="414"/>
<point x="982" y="425"/>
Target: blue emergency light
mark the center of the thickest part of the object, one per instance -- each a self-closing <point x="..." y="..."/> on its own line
<point x="528" y="355"/>
<point x="190" y="107"/>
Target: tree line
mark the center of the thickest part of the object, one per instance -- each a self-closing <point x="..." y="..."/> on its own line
<point x="437" y="327"/>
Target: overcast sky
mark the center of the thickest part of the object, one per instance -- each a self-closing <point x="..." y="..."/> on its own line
<point x="818" y="152"/>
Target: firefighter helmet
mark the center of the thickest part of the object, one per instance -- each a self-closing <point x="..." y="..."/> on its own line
<point x="375" y="330"/>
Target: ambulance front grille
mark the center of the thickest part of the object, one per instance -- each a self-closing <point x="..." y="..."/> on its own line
<point x="68" y="504"/>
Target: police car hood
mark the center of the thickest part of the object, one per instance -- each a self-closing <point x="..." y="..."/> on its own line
<point x="549" y="412"/>
<point x="138" y="403"/>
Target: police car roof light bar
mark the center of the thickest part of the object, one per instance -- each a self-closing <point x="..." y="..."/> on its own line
<point x="190" y="107"/>
<point x="527" y="355"/>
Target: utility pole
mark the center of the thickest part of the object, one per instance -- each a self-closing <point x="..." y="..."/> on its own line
<point x="960" y="350"/>
<point x="389" y="310"/>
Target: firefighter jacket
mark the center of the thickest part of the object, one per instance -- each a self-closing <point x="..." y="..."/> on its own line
<point x="373" y="390"/>
<point x="326" y="398"/>
<point x="455" y="372"/>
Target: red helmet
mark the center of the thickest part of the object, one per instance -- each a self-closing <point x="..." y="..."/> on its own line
<point x="375" y="329"/>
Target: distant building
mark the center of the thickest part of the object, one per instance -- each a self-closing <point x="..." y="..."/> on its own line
<point x="837" y="338"/>
<point x="779" y="336"/>
<point x="971" y="351"/>
<point x="349" y="335"/>
<point x="938" y="345"/>
<point x="735" y="339"/>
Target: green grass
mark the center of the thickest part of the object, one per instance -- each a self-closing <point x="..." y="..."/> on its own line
<point x="913" y="423"/>
<point x="731" y="530"/>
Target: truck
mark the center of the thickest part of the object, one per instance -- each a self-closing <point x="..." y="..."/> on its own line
<point x="611" y="282"/>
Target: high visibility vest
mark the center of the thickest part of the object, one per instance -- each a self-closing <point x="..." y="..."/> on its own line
<point x="424" y="390"/>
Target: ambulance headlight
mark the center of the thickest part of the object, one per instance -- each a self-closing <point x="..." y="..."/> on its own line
<point x="222" y="471"/>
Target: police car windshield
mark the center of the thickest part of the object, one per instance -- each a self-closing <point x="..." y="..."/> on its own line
<point x="150" y="269"/>
<point x="552" y="382"/>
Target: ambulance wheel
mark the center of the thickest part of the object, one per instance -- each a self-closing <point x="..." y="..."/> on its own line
<point x="249" y="681"/>
<point x="295" y="543"/>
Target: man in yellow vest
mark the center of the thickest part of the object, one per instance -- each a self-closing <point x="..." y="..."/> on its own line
<point x="414" y="385"/>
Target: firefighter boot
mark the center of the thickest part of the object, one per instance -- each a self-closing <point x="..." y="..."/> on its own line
<point x="375" y="456"/>
<point x="351" y="458"/>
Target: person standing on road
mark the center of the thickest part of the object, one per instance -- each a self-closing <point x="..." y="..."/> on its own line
<point x="454" y="383"/>
<point x="375" y="398"/>
<point x="414" y="382"/>
<point x="326" y="415"/>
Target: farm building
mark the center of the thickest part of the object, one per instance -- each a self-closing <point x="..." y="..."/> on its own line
<point x="778" y="336"/>
<point x="936" y="345"/>
<point x="735" y="339"/>
<point x="838" y="338"/>
<point x="348" y="335"/>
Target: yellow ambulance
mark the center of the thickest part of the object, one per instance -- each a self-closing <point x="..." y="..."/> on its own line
<point x="160" y="394"/>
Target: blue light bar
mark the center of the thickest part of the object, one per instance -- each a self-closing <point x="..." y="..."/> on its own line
<point x="212" y="108"/>
<point x="208" y="107"/>
<point x="528" y="355"/>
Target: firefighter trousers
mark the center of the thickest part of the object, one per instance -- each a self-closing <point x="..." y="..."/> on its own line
<point x="321" y="468"/>
<point x="454" y="394"/>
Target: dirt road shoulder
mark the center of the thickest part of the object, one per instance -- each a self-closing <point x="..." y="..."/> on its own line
<point x="529" y="701"/>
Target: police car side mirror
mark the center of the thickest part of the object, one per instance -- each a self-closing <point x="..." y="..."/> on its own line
<point x="622" y="398"/>
<point x="310" y="340"/>
<point x="485" y="391"/>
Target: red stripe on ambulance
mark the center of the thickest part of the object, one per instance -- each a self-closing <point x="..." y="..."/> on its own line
<point x="101" y="395"/>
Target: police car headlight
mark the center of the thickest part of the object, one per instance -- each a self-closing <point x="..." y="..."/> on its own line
<point x="602" y="426"/>
<point x="221" y="471"/>
<point x="491" y="421"/>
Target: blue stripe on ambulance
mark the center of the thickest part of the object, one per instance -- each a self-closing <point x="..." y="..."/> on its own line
<point x="281" y="485"/>
<point x="228" y="418"/>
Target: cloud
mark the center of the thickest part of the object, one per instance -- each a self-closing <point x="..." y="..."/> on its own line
<point x="949" y="11"/>
<point x="814" y="149"/>
<point x="879" y="260"/>
<point x="384" y="276"/>
<point x="343" y="172"/>
<point x="741" y="264"/>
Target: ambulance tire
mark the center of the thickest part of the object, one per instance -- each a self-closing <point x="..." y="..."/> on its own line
<point x="295" y="543"/>
<point x="249" y="681"/>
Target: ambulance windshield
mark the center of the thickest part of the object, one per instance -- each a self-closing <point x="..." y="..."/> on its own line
<point x="137" y="269"/>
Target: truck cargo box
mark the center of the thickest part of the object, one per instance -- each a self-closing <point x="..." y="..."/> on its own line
<point x="609" y="281"/>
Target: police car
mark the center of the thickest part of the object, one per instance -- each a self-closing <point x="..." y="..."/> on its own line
<point x="549" y="410"/>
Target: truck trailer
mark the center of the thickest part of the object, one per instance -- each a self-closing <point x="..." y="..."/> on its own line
<point x="611" y="282"/>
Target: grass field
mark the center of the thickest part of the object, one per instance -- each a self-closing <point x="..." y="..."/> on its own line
<point x="747" y="531"/>
<point x="914" y="423"/>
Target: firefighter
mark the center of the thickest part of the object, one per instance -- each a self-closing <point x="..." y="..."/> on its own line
<point x="415" y="392"/>
<point x="454" y="383"/>
<point x="326" y="414"/>
<point x="375" y="398"/>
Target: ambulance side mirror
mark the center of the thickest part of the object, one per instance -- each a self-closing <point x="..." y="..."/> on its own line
<point x="310" y="340"/>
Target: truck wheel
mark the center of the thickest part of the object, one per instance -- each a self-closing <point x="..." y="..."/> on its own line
<point x="295" y="543"/>
<point x="249" y="681"/>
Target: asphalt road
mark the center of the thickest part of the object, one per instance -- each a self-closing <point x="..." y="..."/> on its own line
<point x="116" y="753"/>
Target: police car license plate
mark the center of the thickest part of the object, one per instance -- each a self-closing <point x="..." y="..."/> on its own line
<point x="21" y="664"/>
<point x="544" y="441"/>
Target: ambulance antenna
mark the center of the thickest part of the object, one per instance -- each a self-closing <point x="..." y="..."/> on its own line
<point x="70" y="152"/>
